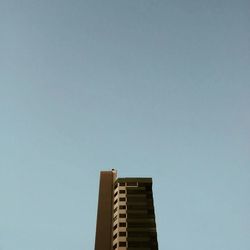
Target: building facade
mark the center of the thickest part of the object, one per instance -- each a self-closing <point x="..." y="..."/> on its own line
<point x="125" y="216"/>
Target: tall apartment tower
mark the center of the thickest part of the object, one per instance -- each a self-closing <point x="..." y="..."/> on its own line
<point x="125" y="216"/>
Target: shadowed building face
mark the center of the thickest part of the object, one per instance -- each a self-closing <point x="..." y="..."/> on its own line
<point x="125" y="218"/>
<point x="103" y="240"/>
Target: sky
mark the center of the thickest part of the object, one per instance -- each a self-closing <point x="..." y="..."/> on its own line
<point x="151" y="88"/>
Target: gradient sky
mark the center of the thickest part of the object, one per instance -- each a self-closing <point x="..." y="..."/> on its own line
<point x="151" y="88"/>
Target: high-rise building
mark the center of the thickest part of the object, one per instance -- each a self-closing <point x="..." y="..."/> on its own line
<point x="125" y="216"/>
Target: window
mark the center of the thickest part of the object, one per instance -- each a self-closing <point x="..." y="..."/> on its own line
<point x="115" y="226"/>
<point x="122" y="234"/>
<point x="115" y="201"/>
<point x="115" y="218"/>
<point x="115" y="209"/>
<point x="122" y="207"/>
<point x="138" y="244"/>
<point x="122" y="224"/>
<point x="122" y="191"/>
<point x="122" y="199"/>
<point x="122" y="243"/>
<point x="116" y="194"/>
<point x="115" y="236"/>
<point x="132" y="184"/>
<point x="115" y="246"/>
<point x="115" y="186"/>
<point x="122" y="184"/>
<point x="122" y="215"/>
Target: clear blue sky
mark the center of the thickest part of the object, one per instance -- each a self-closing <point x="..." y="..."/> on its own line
<point x="149" y="87"/>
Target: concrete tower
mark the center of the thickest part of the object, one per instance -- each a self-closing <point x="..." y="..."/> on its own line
<point x="125" y="217"/>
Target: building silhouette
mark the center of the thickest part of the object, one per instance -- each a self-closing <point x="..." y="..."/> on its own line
<point x="125" y="216"/>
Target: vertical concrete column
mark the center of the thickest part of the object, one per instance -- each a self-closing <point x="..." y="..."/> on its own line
<point x="104" y="225"/>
